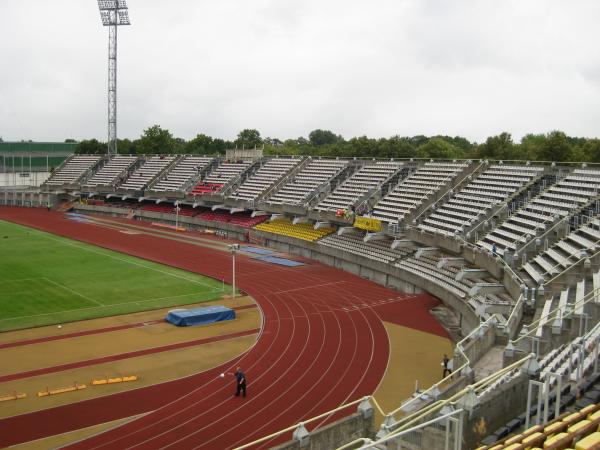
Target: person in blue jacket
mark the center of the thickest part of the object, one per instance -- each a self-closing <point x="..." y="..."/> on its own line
<point x="240" y="379"/>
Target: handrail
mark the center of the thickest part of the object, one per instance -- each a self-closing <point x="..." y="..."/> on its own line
<point x="321" y="188"/>
<point x="518" y="304"/>
<point x="481" y="163"/>
<point x="553" y="314"/>
<point x="285" y="178"/>
<point x="321" y="416"/>
<point x="566" y="218"/>
<point x="406" y="422"/>
<point x="504" y="263"/>
<point x="383" y="440"/>
<point x="459" y="347"/>
<point x="481" y="222"/>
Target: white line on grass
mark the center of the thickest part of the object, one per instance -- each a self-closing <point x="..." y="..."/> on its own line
<point x="122" y="259"/>
<point x="131" y="302"/>
<point x="73" y="291"/>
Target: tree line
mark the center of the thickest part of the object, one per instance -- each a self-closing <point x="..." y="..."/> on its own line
<point x="552" y="146"/>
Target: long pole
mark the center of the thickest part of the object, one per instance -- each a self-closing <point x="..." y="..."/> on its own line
<point x="233" y="287"/>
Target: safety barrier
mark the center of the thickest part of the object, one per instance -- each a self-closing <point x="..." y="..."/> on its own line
<point x="76" y="387"/>
<point x="14" y="396"/>
<point x="170" y="227"/>
<point x="113" y="380"/>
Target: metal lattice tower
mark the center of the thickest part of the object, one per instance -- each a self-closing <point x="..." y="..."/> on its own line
<point x="113" y="13"/>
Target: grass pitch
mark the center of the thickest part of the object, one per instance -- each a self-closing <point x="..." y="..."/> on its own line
<point x="46" y="279"/>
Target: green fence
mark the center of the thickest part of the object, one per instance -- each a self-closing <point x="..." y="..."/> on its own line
<point x="33" y="156"/>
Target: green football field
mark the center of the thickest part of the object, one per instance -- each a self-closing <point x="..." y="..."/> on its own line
<point x="46" y="279"/>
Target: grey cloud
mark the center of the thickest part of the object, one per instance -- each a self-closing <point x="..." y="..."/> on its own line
<point x="469" y="67"/>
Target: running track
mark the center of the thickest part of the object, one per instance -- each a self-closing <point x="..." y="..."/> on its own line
<point x="322" y="343"/>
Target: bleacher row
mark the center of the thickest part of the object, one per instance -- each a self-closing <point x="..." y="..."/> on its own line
<point x="493" y="186"/>
<point x="558" y="201"/>
<point x="368" y="177"/>
<point x="578" y="244"/>
<point x="410" y="192"/>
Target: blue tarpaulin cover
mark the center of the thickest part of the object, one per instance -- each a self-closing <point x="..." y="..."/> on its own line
<point x="280" y="261"/>
<point x="200" y="316"/>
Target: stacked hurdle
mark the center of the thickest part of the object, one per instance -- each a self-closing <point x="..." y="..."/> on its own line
<point x="72" y="388"/>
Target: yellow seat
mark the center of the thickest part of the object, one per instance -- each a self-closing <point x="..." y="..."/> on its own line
<point x="590" y="409"/>
<point x="555" y="427"/>
<point x="554" y="439"/>
<point x="532" y="429"/>
<point x="590" y="442"/>
<point x="578" y="426"/>
<point x="573" y="417"/>
<point x="533" y="439"/>
<point x="594" y="415"/>
<point x="514" y="446"/>
<point x="513" y="439"/>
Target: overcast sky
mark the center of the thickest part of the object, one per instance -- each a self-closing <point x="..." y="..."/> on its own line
<point x="378" y="68"/>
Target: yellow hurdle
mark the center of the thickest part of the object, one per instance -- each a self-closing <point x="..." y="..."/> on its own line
<point x="76" y="387"/>
<point x="13" y="396"/>
<point x="114" y="380"/>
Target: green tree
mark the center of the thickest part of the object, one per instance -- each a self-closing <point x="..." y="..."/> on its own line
<point x="201" y="144"/>
<point x="126" y="147"/>
<point x="90" y="147"/>
<point x="438" y="148"/>
<point x="530" y="146"/>
<point x="591" y="150"/>
<point x="248" y="138"/>
<point x="67" y="141"/>
<point x="397" y="147"/>
<point x="155" y="140"/>
<point x="323" y="137"/>
<point x="556" y="147"/>
<point x="497" y="147"/>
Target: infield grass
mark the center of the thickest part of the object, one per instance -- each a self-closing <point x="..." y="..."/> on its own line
<point x="47" y="279"/>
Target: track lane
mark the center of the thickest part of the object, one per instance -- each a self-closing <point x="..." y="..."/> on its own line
<point x="355" y="339"/>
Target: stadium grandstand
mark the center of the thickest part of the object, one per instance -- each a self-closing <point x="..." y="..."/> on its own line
<point x="30" y="163"/>
<point x="512" y="250"/>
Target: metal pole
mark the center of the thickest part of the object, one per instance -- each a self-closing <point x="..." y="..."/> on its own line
<point x="233" y="288"/>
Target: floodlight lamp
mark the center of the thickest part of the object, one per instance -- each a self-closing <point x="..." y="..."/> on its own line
<point x="105" y="17"/>
<point x="123" y="18"/>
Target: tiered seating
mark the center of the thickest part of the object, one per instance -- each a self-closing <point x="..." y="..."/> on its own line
<point x="561" y="199"/>
<point x="168" y="208"/>
<point x="564" y="253"/>
<point x="265" y="177"/>
<point x="495" y="185"/>
<point x="303" y="231"/>
<point x="180" y="174"/>
<point x="369" y="176"/>
<point x="227" y="171"/>
<point x="112" y="171"/>
<point x="73" y="169"/>
<point x="577" y="429"/>
<point x="312" y="177"/>
<point x="378" y="250"/>
<point x="115" y="202"/>
<point x="414" y="189"/>
<point x="242" y="219"/>
<point x="203" y="187"/>
<point x="426" y="266"/>
<point x="145" y="173"/>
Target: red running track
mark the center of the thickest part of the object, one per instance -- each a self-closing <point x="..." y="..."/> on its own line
<point x="322" y="343"/>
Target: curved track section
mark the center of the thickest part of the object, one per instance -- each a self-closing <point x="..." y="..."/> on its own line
<point x="322" y="343"/>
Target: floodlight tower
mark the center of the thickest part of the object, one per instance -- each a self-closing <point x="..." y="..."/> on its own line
<point x="113" y="13"/>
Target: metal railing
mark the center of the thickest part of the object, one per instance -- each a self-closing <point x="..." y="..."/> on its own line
<point x="311" y="420"/>
<point x="557" y="313"/>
